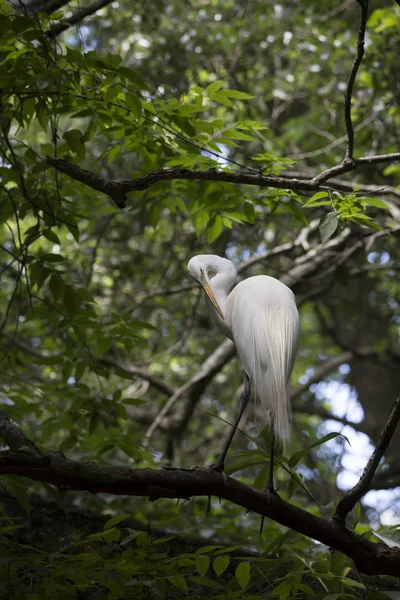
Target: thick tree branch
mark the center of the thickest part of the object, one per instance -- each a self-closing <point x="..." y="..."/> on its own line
<point x="369" y="557"/>
<point x="357" y="492"/>
<point x="117" y="190"/>
<point x="113" y="189"/>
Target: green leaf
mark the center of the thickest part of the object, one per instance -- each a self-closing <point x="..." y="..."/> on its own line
<point x="316" y="197"/>
<point x="214" y="229"/>
<point x="202" y="219"/>
<point x="67" y="370"/>
<point x="179" y="582"/>
<point x="20" y="492"/>
<point x="352" y="583"/>
<point x="226" y="550"/>
<point x="133" y="77"/>
<point x="236" y="94"/>
<point x="249" y="461"/>
<point x="232" y="134"/>
<point x="202" y="563"/>
<point x="328" y="226"/>
<point x="214" y="87"/>
<point x="221" y="99"/>
<point x="220" y="564"/>
<point x="113" y="153"/>
<point x="134" y="401"/>
<point x="115" y="520"/>
<point x="70" y="299"/>
<point x="338" y="561"/>
<point x="51" y="236"/>
<point x="282" y="590"/>
<point x="339" y="597"/>
<point x="296" y="212"/>
<point x="262" y="478"/>
<point x="53" y="258"/>
<point x="249" y="211"/>
<point x="134" y="103"/>
<point x="242" y="574"/>
<point x="154" y="215"/>
<point x="206" y="549"/>
<point x="206" y="582"/>
<point x="111" y="535"/>
<point x="79" y="370"/>
<point x="10" y="528"/>
<point x="111" y="93"/>
<point x="74" y="139"/>
<point x="297" y="456"/>
<point x="356" y="514"/>
<point x="376" y="202"/>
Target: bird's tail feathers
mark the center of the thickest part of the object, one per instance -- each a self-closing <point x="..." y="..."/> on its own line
<point x="275" y="336"/>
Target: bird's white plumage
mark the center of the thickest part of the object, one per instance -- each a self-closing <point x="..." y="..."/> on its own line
<point x="261" y="317"/>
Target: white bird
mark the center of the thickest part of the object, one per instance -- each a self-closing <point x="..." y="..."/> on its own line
<point x="261" y="318"/>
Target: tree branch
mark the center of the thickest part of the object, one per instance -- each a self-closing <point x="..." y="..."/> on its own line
<point x="112" y="189"/>
<point x="76" y="18"/>
<point x="14" y="437"/>
<point x="349" y="91"/>
<point x="196" y="384"/>
<point x="321" y="371"/>
<point x="355" y="494"/>
<point x="371" y="558"/>
<point x="117" y="190"/>
<point x="131" y="372"/>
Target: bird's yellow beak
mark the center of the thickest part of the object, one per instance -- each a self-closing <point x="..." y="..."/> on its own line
<point x="210" y="294"/>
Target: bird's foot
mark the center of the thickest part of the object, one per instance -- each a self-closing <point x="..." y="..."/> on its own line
<point x="217" y="467"/>
<point x="269" y="489"/>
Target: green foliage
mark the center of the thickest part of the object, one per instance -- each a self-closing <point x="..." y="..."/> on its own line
<point x="98" y="323"/>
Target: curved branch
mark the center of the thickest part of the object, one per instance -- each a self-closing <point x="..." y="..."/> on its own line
<point x="131" y="372"/>
<point x="371" y="558"/>
<point x="196" y="386"/>
<point x="117" y="190"/>
<point x="321" y="371"/>
<point x="357" y="492"/>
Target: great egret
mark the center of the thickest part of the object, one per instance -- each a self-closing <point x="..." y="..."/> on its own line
<point x="261" y="318"/>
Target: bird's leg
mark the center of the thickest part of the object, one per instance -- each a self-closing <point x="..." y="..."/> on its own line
<point x="270" y="488"/>
<point x="270" y="484"/>
<point x="244" y="400"/>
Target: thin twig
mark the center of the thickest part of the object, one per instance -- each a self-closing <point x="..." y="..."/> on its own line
<point x="356" y="493"/>
<point x="349" y="90"/>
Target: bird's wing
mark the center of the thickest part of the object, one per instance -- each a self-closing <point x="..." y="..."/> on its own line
<point x="265" y="325"/>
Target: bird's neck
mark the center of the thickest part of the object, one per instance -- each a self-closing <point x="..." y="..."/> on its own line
<point x="221" y="285"/>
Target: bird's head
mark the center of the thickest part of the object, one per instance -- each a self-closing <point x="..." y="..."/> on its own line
<point x="198" y="269"/>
